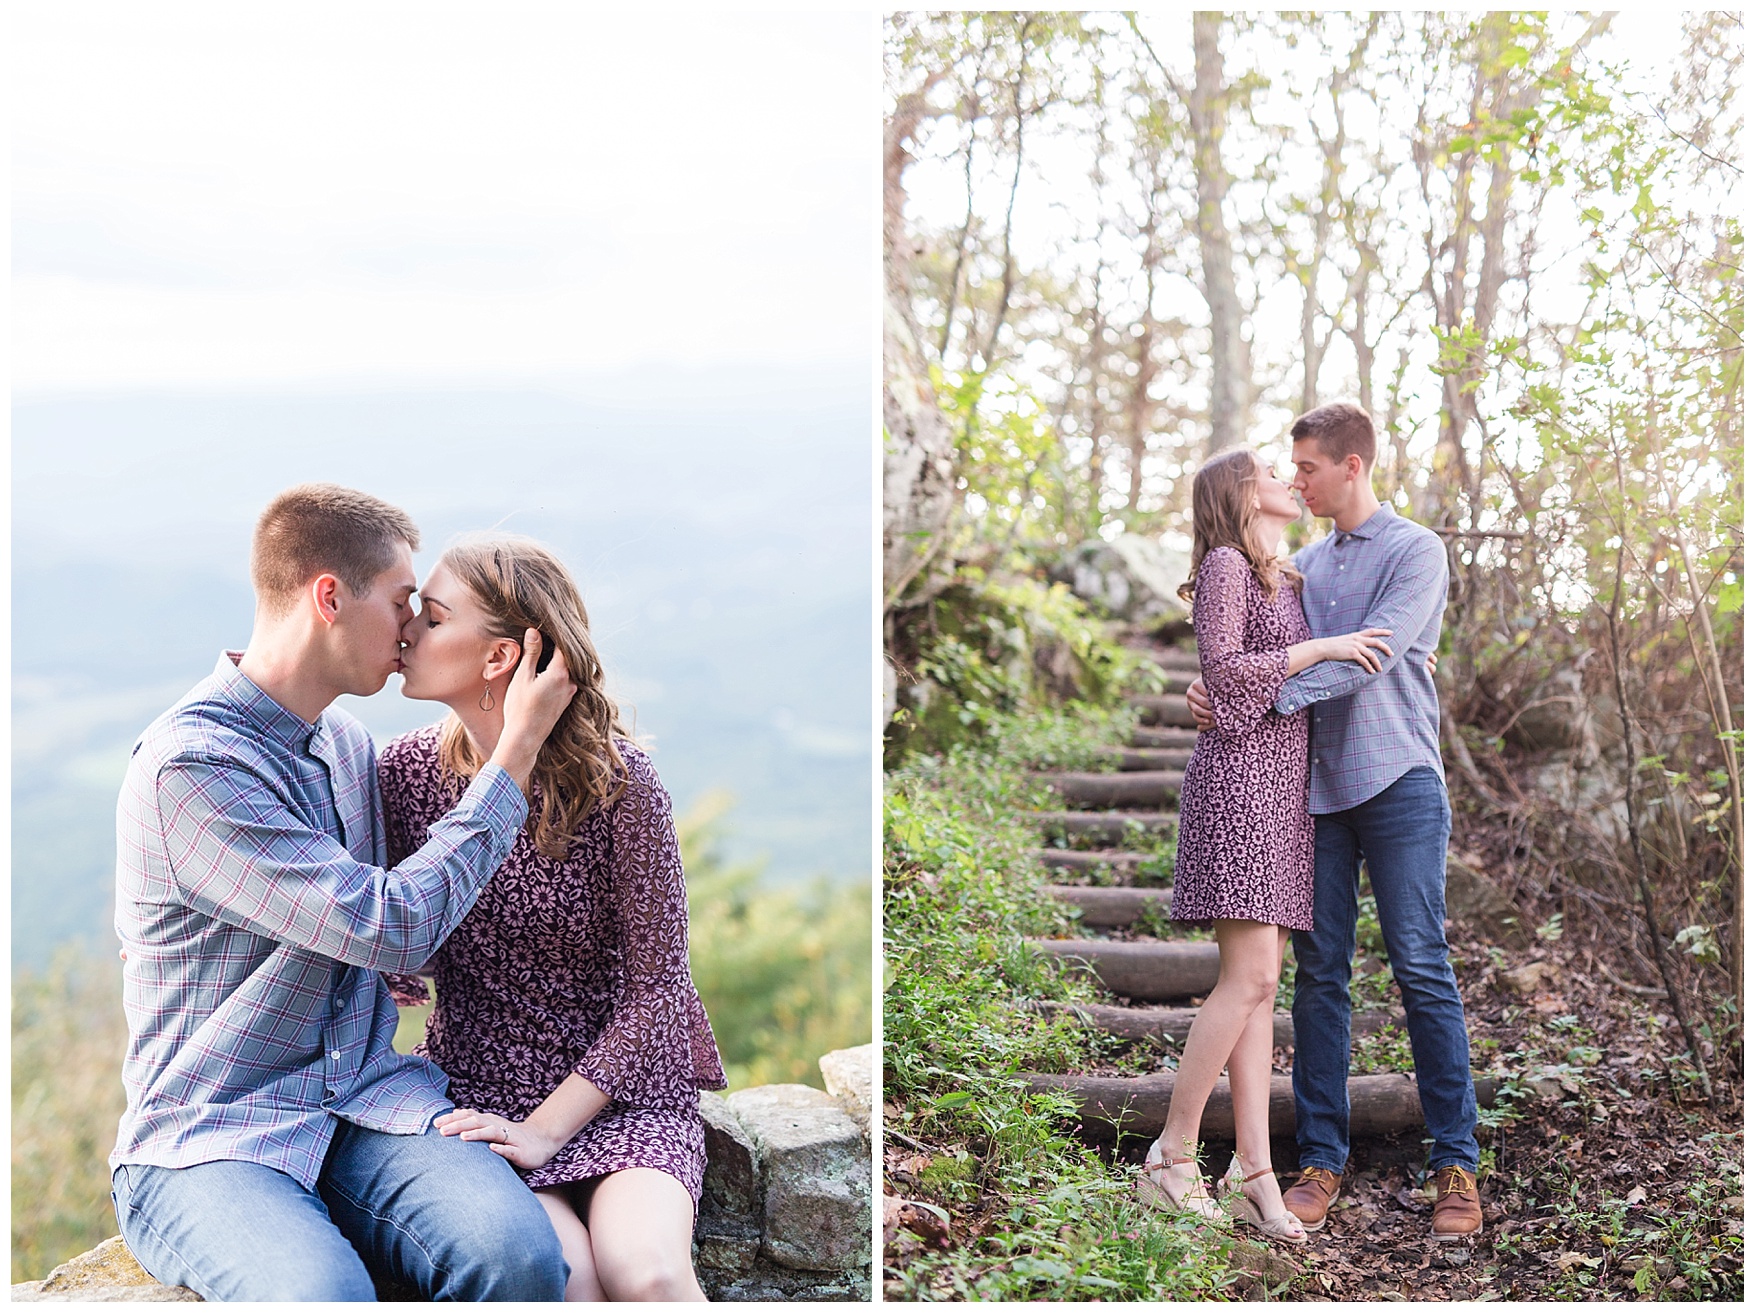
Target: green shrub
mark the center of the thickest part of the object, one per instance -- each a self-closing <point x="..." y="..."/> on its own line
<point x="68" y="1037"/>
<point x="989" y="649"/>
<point x="785" y="973"/>
<point x="960" y="899"/>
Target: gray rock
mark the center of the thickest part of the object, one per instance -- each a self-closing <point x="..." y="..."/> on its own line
<point x="108" y="1274"/>
<point x="1134" y="577"/>
<point x="1556" y="717"/>
<point x="847" y="1075"/>
<point x="778" y="1284"/>
<point x="732" y="1180"/>
<point x="725" y="1242"/>
<point x="816" y="1177"/>
<point x="1472" y="899"/>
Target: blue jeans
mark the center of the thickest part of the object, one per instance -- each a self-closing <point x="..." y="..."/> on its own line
<point x="446" y="1217"/>
<point x="1402" y="835"/>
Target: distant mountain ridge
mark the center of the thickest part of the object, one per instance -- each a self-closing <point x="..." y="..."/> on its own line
<point x="723" y="546"/>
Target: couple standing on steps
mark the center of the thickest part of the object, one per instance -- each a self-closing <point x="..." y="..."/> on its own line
<point x="1263" y="856"/>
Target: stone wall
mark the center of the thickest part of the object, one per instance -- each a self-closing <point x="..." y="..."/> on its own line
<point x="786" y="1212"/>
<point x="785" y="1215"/>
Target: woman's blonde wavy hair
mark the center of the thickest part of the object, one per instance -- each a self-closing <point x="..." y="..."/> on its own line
<point x="1224" y="509"/>
<point x="521" y="585"/>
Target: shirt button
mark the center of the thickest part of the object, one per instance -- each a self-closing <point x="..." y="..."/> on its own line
<point x="1317" y="760"/>
<point x="335" y="1055"/>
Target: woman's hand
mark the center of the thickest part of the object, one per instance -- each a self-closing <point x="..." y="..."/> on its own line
<point x="1367" y="647"/>
<point x="518" y="1143"/>
<point x="1200" y="706"/>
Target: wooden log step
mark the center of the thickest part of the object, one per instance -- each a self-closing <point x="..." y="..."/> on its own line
<point x="1153" y="971"/>
<point x="1174" y="658"/>
<point x="1137" y="759"/>
<point x="1379" y="1105"/>
<point x="1107" y="827"/>
<point x="1140" y="788"/>
<point x="1124" y="864"/>
<point x="1147" y="737"/>
<point x="1176" y="681"/>
<point x="1162" y="709"/>
<point x="1104" y="907"/>
<point x="1173" y="1023"/>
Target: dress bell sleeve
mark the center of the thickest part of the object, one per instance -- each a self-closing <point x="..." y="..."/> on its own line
<point x="1241" y="684"/>
<point x="657" y="1043"/>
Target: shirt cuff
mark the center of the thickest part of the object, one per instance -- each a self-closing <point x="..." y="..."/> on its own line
<point x="1289" y="702"/>
<point x="496" y="791"/>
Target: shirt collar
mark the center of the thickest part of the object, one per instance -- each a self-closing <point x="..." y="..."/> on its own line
<point x="1373" y="525"/>
<point x="264" y="712"/>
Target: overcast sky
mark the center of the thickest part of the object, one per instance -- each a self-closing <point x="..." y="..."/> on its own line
<point x="231" y="195"/>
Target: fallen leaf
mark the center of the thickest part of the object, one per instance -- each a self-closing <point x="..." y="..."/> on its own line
<point x="928" y="1221"/>
<point x="1636" y="1196"/>
<point x="892" y="1218"/>
<point x="1529" y="978"/>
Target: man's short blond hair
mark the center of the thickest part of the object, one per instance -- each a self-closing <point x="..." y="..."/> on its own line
<point x="324" y="528"/>
<point x="1340" y="429"/>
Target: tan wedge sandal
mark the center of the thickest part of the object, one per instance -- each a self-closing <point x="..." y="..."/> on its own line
<point x="1154" y="1193"/>
<point x="1286" y="1226"/>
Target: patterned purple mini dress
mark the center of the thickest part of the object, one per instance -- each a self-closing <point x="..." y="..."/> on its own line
<point x="570" y="965"/>
<point x="1245" y="842"/>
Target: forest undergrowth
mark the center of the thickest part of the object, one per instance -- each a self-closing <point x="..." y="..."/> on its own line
<point x="1605" y="1173"/>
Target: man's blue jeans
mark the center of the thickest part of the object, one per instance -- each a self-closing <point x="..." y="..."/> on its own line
<point x="1402" y="835"/>
<point x="444" y="1216"/>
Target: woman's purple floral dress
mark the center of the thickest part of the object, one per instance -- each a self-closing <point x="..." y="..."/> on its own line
<point x="1245" y="843"/>
<point x="572" y="965"/>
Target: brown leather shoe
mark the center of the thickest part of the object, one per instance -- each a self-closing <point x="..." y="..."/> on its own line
<point x="1309" y="1197"/>
<point x="1457" y="1213"/>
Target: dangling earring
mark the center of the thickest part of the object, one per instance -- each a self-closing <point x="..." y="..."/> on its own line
<point x="486" y="701"/>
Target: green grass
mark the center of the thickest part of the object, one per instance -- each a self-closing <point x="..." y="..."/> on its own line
<point x="1051" y="1219"/>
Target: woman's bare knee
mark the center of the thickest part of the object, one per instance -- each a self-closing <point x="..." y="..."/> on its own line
<point x="650" y="1277"/>
<point x="641" y="1222"/>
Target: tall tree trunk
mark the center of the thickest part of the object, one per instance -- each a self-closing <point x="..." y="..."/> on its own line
<point x="1008" y="279"/>
<point x="1207" y="106"/>
<point x="919" y="455"/>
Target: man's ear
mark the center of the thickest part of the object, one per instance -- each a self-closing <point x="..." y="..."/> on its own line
<point x="1355" y="466"/>
<point x="325" y="595"/>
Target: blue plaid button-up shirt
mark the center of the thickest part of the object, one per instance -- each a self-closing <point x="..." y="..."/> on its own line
<point x="1368" y="730"/>
<point x="253" y="903"/>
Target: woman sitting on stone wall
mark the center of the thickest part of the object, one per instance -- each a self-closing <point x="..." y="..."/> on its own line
<point x="566" y="1017"/>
